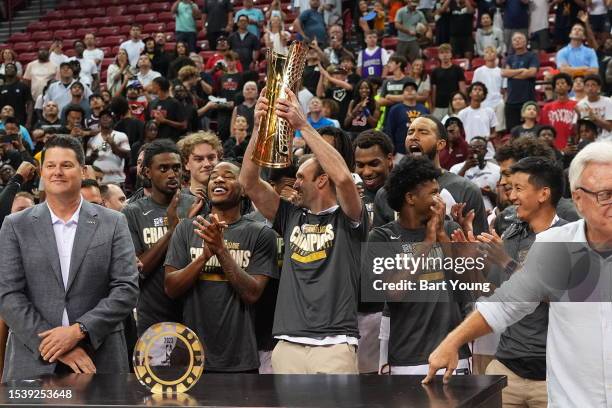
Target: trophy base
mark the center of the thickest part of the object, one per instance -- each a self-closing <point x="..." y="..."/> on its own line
<point x="270" y="165"/>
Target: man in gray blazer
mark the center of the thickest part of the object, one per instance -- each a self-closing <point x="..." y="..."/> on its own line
<point x="68" y="277"/>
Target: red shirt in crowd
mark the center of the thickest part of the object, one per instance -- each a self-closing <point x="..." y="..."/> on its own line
<point x="459" y="154"/>
<point x="561" y="116"/>
<point x="212" y="61"/>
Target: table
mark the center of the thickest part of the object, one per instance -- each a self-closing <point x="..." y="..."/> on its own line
<point x="252" y="390"/>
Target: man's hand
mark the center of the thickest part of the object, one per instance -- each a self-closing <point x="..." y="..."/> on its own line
<point x="290" y="109"/>
<point x="435" y="224"/>
<point x="58" y="341"/>
<point x="494" y="247"/>
<point x="173" y="218"/>
<point x="261" y="108"/>
<point x="446" y="356"/>
<point x="211" y="232"/>
<point x="79" y="361"/>
<point x="466" y="222"/>
<point x="26" y="170"/>
<point x="469" y="163"/>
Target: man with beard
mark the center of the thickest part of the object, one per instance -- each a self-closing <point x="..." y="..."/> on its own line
<point x="427" y="137"/>
<point x="16" y="94"/>
<point x="39" y="72"/>
<point x="219" y="271"/>
<point x="419" y="320"/>
<point x="316" y="310"/>
<point x="152" y="221"/>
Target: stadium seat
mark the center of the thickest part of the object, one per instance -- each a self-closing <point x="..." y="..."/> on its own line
<point x="115" y="11"/>
<point x="170" y="46"/>
<point x="42" y="36"/>
<point x="76" y="12"/>
<point x="165" y="16"/>
<point x="67" y="5"/>
<point x="54" y="15"/>
<point x="158" y="7"/>
<point x="37" y="26"/>
<point x="58" y="24"/>
<point x="113" y="40"/>
<point x="96" y="12"/>
<point x="27" y="57"/>
<point x="102" y="21"/>
<point x="81" y="32"/>
<point x="462" y="62"/>
<point x="430" y="64"/>
<point x="68" y="43"/>
<point x="477" y="62"/>
<point x="121" y="20"/>
<point x="389" y="42"/>
<point x="548" y="60"/>
<point x="145" y="18"/>
<point x="431" y="52"/>
<point x="64" y="34"/>
<point x="108" y="31"/>
<point x="469" y="75"/>
<point x="137" y="9"/>
<point x="171" y="26"/>
<point x="115" y="50"/>
<point x="24" y="47"/>
<point x="80" y="22"/>
<point x="44" y="44"/>
<point x="125" y="30"/>
<point x="154" y="27"/>
<point x="206" y="55"/>
<point x="106" y="62"/>
<point x="20" y="37"/>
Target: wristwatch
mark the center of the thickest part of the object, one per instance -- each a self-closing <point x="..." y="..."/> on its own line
<point x="83" y="330"/>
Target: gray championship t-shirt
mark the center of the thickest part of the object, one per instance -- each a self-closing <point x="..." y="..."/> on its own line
<point x="212" y="308"/>
<point x="417" y="328"/>
<point x="319" y="281"/>
<point x="460" y="189"/>
<point x="148" y="222"/>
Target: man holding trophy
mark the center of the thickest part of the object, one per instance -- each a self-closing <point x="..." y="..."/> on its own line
<point x="316" y="309"/>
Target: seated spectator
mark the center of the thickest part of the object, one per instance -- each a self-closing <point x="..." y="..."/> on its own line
<point x="216" y="65"/>
<point x="596" y="107"/>
<point x="420" y="76"/>
<point x="254" y="15"/>
<point x="310" y="24"/>
<point x="529" y="127"/>
<point x="119" y="73"/>
<point x="90" y="190"/>
<point x="113" y="196"/>
<point x="409" y="22"/>
<point x="22" y="200"/>
<point x="576" y="58"/>
<point x="489" y="36"/>
<point x="134" y="45"/>
<point x="457" y="103"/>
<point x="96" y="106"/>
<point x="363" y="112"/>
<point x="245" y="44"/>
<point x="456" y="149"/>
<point x="56" y="53"/>
<point x="74" y="122"/>
<point x="490" y="75"/>
<point x="548" y="134"/>
<point x="236" y="145"/>
<point x="9" y="56"/>
<point x="336" y="51"/>
<point x="50" y="118"/>
<point x="108" y="150"/>
<point x="88" y="75"/>
<point x="92" y="52"/>
<point x="401" y="115"/>
<point x="7" y="115"/>
<point x="247" y="108"/>
<point x="145" y="74"/>
<point x="275" y="37"/>
<point x="483" y="173"/>
<point x="333" y="85"/>
<point x="77" y="94"/>
<point x="372" y="60"/>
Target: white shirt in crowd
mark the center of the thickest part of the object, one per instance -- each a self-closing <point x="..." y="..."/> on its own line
<point x="57" y="59"/>
<point x="64" y="239"/>
<point x="478" y="122"/>
<point x="538" y="12"/>
<point x="487" y="176"/>
<point x="597" y="8"/>
<point x="95" y="54"/>
<point x="133" y="49"/>
<point x="579" y="344"/>
<point x="88" y="70"/>
<point x="110" y="164"/>
<point x="602" y="108"/>
<point x="493" y="80"/>
<point x="146" y="79"/>
<point x="39" y="73"/>
<point x="60" y="94"/>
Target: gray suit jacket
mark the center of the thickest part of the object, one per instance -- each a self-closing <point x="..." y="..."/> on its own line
<point x="102" y="286"/>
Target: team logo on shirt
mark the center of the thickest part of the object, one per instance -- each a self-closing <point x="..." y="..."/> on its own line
<point x="412" y="115"/>
<point x="151" y="235"/>
<point x="212" y="270"/>
<point x="309" y="242"/>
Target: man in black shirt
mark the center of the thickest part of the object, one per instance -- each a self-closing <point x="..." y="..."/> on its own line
<point x="218" y="20"/>
<point x="16" y="94"/>
<point x="220" y="271"/>
<point x="316" y="310"/>
<point x="427" y="137"/>
<point x="445" y="80"/>
<point x="245" y="44"/>
<point x="152" y="221"/>
<point x="416" y="326"/>
<point x="167" y="111"/>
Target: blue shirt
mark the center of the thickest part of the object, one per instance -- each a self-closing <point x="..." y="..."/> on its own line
<point x="322" y="122"/>
<point x="398" y="119"/>
<point x="522" y="90"/>
<point x="577" y="57"/>
<point x="313" y="25"/>
<point x="25" y="135"/>
<point x="253" y="14"/>
<point x="184" y="18"/>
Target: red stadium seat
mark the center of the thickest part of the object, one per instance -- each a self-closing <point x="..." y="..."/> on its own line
<point x="154" y="27"/>
<point x="108" y="31"/>
<point x="68" y="43"/>
<point x="63" y="34"/>
<point x="171" y="26"/>
<point x="113" y="40"/>
<point x="469" y="75"/>
<point x="27" y="57"/>
<point x="115" y="50"/>
<point x="81" y="32"/>
<point x="121" y="20"/>
<point x="430" y="64"/>
<point x="44" y="44"/>
<point x="477" y="62"/>
<point x="389" y="42"/>
<point x="548" y="60"/>
<point x="106" y="62"/>
<point x="206" y="55"/>
<point x="80" y="22"/>
<point x="76" y="12"/>
<point x="125" y="30"/>
<point x="462" y="62"/>
<point x="541" y="71"/>
<point x="145" y="18"/>
<point x="58" y="24"/>
<point x="165" y="16"/>
<point x="24" y="47"/>
<point x="42" y="36"/>
<point x="20" y="37"/>
<point x="158" y="7"/>
<point x="116" y="11"/>
<point x="54" y="15"/>
<point x="38" y="26"/>
<point x="96" y="12"/>
<point x="107" y="50"/>
<point x="70" y="52"/>
<point x="431" y="52"/>
<point x="137" y="9"/>
<point x="102" y="21"/>
<point x="170" y="46"/>
<point x="67" y="5"/>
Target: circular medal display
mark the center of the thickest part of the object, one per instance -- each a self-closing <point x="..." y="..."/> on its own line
<point x="168" y="358"/>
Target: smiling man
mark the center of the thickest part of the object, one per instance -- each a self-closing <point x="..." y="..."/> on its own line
<point x="201" y="152"/>
<point x="219" y="270"/>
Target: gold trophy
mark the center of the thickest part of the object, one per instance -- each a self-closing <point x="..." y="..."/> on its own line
<point x="275" y="135"/>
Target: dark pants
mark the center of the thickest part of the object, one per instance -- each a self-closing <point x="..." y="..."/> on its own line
<point x="513" y="115"/>
<point x="189" y="38"/>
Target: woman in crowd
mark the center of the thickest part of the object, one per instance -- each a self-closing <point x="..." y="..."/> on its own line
<point x="417" y="72"/>
<point x="458" y="102"/>
<point x="487" y="35"/>
<point x="275" y="37"/>
<point x="181" y="59"/>
<point x="363" y="112"/>
<point x="119" y="73"/>
<point x="8" y="55"/>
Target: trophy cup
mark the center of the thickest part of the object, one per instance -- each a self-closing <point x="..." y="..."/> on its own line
<point x="275" y="135"/>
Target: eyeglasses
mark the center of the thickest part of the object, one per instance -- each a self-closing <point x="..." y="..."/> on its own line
<point x="604" y="197"/>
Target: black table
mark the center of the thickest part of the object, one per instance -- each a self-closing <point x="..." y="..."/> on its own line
<point x="252" y="390"/>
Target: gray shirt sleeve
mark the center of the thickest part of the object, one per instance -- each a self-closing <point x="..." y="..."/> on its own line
<point x="263" y="259"/>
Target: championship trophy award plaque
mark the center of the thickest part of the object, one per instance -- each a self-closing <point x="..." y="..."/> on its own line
<point x="168" y="358"/>
<point x="275" y="135"/>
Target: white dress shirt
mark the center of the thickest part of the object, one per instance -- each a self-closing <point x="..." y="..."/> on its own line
<point x="579" y="345"/>
<point x="64" y="239"/>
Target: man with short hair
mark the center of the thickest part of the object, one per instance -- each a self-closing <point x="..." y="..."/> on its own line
<point x="39" y="72"/>
<point x="490" y="75"/>
<point x="89" y="69"/>
<point x="575" y="57"/>
<point x="16" y="94"/>
<point x="108" y="150"/>
<point x="596" y="107"/>
<point x="113" y="197"/>
<point x="166" y="111"/>
<point x="22" y="200"/>
<point x="186" y="14"/>
<point x="330" y="215"/>
<point x="145" y="74"/>
<point x="60" y="91"/>
<point x="560" y="113"/>
<point x="219" y="271"/>
<point x="67" y="317"/>
<point x="445" y="80"/>
<point x="50" y="117"/>
<point x="372" y="60"/>
<point x="573" y="328"/>
<point x="254" y="15"/>
<point x="478" y="120"/>
<point x="245" y="44"/>
<point x="77" y="97"/>
<point x="406" y="20"/>
<point x="134" y="45"/>
<point x="90" y="190"/>
<point x="392" y="89"/>
<point x="310" y="24"/>
<point x="401" y="115"/>
<point x="91" y="51"/>
<point x="217" y="20"/>
<point x="200" y="152"/>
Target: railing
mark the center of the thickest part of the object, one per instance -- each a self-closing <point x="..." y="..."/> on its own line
<point x="10" y="7"/>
